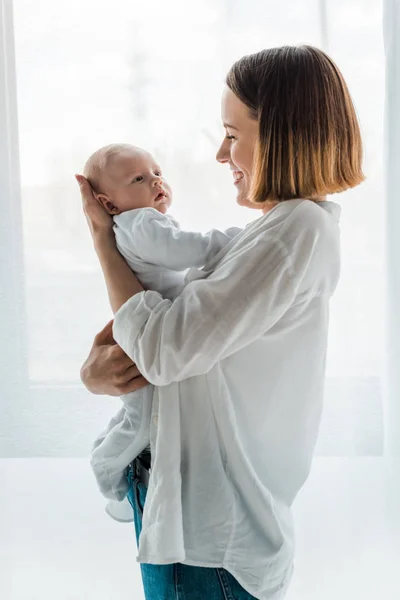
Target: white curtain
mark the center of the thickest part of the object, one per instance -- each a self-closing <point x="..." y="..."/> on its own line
<point x="391" y="385"/>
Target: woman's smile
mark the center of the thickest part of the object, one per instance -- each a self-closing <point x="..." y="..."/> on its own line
<point x="237" y="176"/>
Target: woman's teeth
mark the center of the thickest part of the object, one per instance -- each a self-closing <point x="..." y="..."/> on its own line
<point x="237" y="176"/>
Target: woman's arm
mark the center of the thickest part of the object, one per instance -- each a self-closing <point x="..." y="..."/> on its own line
<point x="212" y="318"/>
<point x="107" y="369"/>
<point x="120" y="280"/>
<point x="215" y="317"/>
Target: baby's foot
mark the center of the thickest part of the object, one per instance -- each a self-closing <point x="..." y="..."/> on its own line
<point x="120" y="511"/>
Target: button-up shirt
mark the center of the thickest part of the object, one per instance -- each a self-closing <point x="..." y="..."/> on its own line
<point x="238" y="361"/>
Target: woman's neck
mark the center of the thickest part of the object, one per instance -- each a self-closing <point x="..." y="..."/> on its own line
<point x="270" y="204"/>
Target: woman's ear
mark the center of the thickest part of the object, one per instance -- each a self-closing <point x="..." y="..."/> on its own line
<point x="107" y="204"/>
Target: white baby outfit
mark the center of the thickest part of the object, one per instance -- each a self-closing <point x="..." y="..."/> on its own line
<point x="160" y="254"/>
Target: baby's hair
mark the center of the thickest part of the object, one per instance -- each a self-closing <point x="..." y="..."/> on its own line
<point x="100" y="160"/>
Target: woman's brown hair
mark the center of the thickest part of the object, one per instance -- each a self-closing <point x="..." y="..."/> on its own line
<point x="309" y="137"/>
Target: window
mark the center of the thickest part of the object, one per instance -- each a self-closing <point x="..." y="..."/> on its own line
<point x="152" y="74"/>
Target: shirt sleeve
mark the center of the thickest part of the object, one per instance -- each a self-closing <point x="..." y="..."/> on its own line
<point x="160" y="241"/>
<point x="212" y="318"/>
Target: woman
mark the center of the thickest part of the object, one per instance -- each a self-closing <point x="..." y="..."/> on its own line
<point x="239" y="357"/>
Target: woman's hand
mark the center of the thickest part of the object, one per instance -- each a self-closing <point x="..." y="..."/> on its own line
<point x="99" y="221"/>
<point x="108" y="370"/>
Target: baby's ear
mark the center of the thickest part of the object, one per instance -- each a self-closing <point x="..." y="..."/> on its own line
<point x="107" y="204"/>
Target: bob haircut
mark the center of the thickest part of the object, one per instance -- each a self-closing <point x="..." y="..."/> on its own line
<point x="309" y="141"/>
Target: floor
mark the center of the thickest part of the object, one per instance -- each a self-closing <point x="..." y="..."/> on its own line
<point x="57" y="543"/>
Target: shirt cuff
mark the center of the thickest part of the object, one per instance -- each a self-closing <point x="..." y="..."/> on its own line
<point x="130" y="319"/>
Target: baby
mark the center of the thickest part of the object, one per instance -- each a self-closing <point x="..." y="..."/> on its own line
<point x="129" y="183"/>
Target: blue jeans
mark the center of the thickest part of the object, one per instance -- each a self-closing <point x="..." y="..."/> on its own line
<point x="177" y="581"/>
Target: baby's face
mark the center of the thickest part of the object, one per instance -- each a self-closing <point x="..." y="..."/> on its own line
<point x="133" y="179"/>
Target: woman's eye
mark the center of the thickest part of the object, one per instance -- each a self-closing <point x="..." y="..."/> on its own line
<point x="230" y="137"/>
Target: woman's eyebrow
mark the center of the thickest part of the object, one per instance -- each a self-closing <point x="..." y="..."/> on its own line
<point x="230" y="126"/>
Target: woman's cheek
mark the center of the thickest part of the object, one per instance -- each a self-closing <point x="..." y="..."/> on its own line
<point x="239" y="157"/>
<point x="235" y="156"/>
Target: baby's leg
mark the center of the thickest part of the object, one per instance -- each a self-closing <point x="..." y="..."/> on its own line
<point x="125" y="437"/>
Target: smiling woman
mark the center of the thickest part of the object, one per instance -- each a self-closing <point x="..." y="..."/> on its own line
<point x="252" y="323"/>
<point x="294" y="156"/>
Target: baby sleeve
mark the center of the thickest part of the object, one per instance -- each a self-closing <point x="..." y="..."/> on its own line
<point x="158" y="239"/>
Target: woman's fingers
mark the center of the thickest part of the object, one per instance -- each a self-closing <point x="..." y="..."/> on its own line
<point x="131" y="386"/>
<point x="128" y="378"/>
<point x="130" y="373"/>
<point x="85" y="188"/>
<point x="119" y="358"/>
<point x="105" y="336"/>
<point x="97" y="217"/>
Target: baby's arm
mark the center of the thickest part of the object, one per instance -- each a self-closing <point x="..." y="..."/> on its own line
<point x="161" y="241"/>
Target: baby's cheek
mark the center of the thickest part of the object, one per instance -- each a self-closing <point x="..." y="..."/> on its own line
<point x="169" y="190"/>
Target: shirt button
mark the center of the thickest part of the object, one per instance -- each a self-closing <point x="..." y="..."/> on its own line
<point x="155" y="420"/>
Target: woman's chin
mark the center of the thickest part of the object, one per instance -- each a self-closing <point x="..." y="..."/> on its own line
<point x="242" y="200"/>
<point x="242" y="193"/>
<point x="241" y="197"/>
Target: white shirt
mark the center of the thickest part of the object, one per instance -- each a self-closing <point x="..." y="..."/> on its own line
<point x="232" y="444"/>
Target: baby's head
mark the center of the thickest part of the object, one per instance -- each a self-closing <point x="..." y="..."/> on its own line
<point x="124" y="177"/>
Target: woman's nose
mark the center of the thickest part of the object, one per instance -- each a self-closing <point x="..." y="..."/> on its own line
<point x="223" y="153"/>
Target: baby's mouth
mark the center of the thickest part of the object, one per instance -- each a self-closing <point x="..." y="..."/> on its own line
<point x="160" y="197"/>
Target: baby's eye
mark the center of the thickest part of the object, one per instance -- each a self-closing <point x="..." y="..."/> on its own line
<point x="138" y="179"/>
<point x="158" y="173"/>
